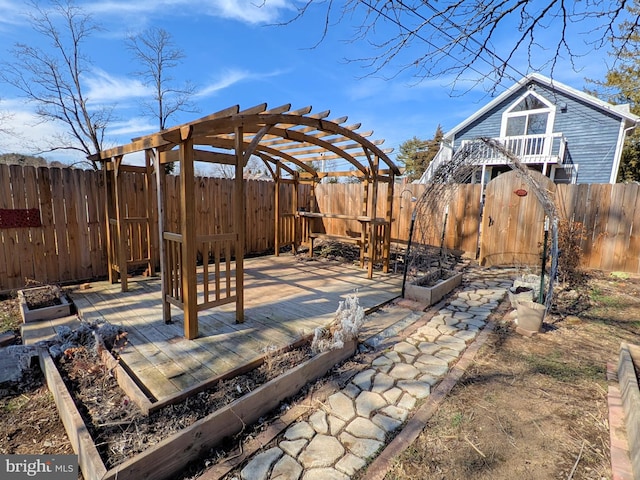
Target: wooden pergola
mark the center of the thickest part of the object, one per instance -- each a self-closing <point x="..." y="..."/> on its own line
<point x="290" y="143"/>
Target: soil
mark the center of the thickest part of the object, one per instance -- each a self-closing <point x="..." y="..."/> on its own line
<point x="29" y="419"/>
<point x="120" y="430"/>
<point x="41" y="297"/>
<point x="533" y="408"/>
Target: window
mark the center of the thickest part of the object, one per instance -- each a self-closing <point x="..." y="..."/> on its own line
<point x="529" y="115"/>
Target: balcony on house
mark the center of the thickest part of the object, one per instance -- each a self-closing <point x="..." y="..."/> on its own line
<point x="540" y="149"/>
<point x="547" y="153"/>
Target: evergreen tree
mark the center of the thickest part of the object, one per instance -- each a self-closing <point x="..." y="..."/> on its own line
<point x="622" y="86"/>
<point x="416" y="154"/>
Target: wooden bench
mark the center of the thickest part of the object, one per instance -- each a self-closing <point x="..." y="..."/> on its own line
<point x="366" y="241"/>
<point x="359" y="240"/>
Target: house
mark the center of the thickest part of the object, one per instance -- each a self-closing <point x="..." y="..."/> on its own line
<point x="568" y="135"/>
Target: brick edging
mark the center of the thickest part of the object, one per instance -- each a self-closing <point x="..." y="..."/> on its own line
<point x="620" y="461"/>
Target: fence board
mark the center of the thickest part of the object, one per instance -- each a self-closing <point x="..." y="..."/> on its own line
<point x="84" y="253"/>
<point x="599" y="216"/>
<point x="619" y="226"/>
<point x="49" y="257"/>
<point x="6" y="244"/>
<point x="590" y="215"/>
<point x="25" y="263"/>
<point x="71" y="197"/>
<point x="36" y="245"/>
<point x="96" y="217"/>
<point x="632" y="255"/>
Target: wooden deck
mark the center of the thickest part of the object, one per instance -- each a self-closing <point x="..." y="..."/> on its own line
<point x="284" y="299"/>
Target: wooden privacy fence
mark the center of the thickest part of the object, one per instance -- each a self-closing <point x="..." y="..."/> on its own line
<point x="68" y="242"/>
<point x="52" y="221"/>
<point x="609" y="216"/>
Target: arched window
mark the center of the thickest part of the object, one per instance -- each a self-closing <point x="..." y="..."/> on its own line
<point x="531" y="114"/>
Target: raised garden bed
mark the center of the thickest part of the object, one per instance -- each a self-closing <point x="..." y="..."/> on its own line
<point x="168" y="457"/>
<point x="431" y="288"/>
<point x="43" y="303"/>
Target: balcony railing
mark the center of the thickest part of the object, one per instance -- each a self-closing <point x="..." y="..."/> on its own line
<point x="528" y="148"/>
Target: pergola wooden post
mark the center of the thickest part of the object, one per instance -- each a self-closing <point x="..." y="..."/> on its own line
<point x="240" y="225"/>
<point x="276" y="208"/>
<point x="188" y="231"/>
<point x="109" y="206"/>
<point x="160" y="195"/>
<point x="288" y="142"/>
<point x="121" y="245"/>
<point x="128" y="236"/>
<point x="148" y="163"/>
<point x="388" y="216"/>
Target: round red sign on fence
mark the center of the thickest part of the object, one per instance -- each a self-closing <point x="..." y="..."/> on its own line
<point x="521" y="192"/>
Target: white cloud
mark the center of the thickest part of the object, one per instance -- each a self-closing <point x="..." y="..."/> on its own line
<point x="225" y="80"/>
<point x="132" y="127"/>
<point x="230" y="77"/>
<point x="246" y="11"/>
<point x="12" y="13"/>
<point x="30" y="134"/>
<point x="106" y="88"/>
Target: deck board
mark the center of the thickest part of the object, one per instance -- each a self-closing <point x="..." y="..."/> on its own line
<point x="285" y="298"/>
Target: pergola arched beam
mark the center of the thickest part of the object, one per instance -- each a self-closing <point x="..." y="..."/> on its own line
<point x="296" y="139"/>
<point x="268" y="160"/>
<point x="252" y="123"/>
<point x="312" y="149"/>
<point x="228" y="144"/>
<point x="338" y="130"/>
<point x="255" y="141"/>
<point x="303" y="138"/>
<point x="288" y="145"/>
<point x="267" y="163"/>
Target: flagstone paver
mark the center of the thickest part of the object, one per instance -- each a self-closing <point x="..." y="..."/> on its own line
<point x="339" y="438"/>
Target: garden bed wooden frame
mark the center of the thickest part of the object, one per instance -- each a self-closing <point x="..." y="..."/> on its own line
<point x="170" y="456"/>
<point x="431" y="295"/>
<point x="628" y="363"/>
<point x="43" y="313"/>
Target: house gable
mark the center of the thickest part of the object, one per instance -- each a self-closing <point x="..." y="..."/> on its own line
<point x="531" y="113"/>
<point x="593" y="129"/>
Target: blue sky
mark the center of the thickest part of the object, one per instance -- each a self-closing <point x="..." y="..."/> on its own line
<point x="236" y="55"/>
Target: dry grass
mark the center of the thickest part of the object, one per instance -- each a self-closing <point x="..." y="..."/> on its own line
<point x="534" y="408"/>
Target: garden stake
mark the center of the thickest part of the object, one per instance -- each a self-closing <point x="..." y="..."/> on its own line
<point x="544" y="258"/>
<point x="444" y="229"/>
<point x="406" y="255"/>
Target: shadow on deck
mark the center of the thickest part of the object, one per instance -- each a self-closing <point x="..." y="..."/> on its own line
<point x="285" y="298"/>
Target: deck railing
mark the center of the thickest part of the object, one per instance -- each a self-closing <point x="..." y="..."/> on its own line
<point x="286" y="230"/>
<point x="528" y="148"/>
<point x="217" y="288"/>
<point x="136" y="231"/>
<point x="172" y="264"/>
<point x="214" y="269"/>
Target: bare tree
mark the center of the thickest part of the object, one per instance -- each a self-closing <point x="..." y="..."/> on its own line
<point x="5" y="119"/>
<point x="157" y="54"/>
<point x="482" y="38"/>
<point x="52" y="78"/>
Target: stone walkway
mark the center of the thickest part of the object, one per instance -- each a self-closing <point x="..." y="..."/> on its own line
<point x="353" y="425"/>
